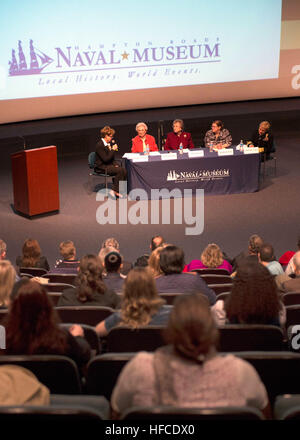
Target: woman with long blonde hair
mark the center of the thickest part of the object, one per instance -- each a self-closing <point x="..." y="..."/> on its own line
<point x="211" y="257"/>
<point x="141" y="304"/>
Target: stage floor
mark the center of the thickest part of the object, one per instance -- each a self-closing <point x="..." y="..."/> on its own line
<point x="273" y="212"/>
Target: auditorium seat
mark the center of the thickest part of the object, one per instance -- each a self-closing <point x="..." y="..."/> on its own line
<point x="58" y="287"/>
<point x="223" y="296"/>
<point x="90" y="315"/>
<point x="59" y="373"/>
<point x="287" y="407"/>
<point x="291" y="298"/>
<point x="33" y="271"/>
<point x="103" y="372"/>
<point x="246" y="337"/>
<point x="93" y="173"/>
<point x="125" y="339"/>
<point x="292" y="315"/>
<point x="178" y="414"/>
<point x="65" y="278"/>
<point x="220" y="288"/>
<point x="24" y="416"/>
<point x="54" y="297"/>
<point x="216" y="279"/>
<point x="279" y="371"/>
<point x="211" y="271"/>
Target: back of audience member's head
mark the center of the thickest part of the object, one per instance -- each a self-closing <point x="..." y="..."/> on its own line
<point x="113" y="262"/>
<point x="140" y="300"/>
<point x="156" y="241"/>
<point x="154" y="262"/>
<point x="31" y="253"/>
<point x="212" y="256"/>
<point x="191" y="328"/>
<point x="254" y="298"/>
<point x="89" y="279"/>
<point x="254" y="244"/>
<point x="32" y="323"/>
<point x="105" y="251"/>
<point x="296" y="262"/>
<point x="266" y="253"/>
<point x="111" y="242"/>
<point x="7" y="281"/>
<point x="67" y="250"/>
<point x="171" y="260"/>
<point x="3" y="249"/>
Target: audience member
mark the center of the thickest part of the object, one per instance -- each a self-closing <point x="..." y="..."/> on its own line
<point x="174" y="281"/>
<point x="112" y="242"/>
<point x="3" y="249"/>
<point x="143" y="142"/>
<point x="254" y="244"/>
<point x="178" y="137"/>
<point x="31" y="256"/>
<point x="69" y="262"/>
<point x="90" y="289"/>
<point x="267" y="258"/>
<point x="141" y="304"/>
<point x="253" y="299"/>
<point x="32" y="327"/>
<point x="218" y="137"/>
<point x="156" y="242"/>
<point x="113" y="265"/>
<point x="289" y="270"/>
<point x="293" y="284"/>
<point x="263" y="138"/>
<point x="211" y="257"/>
<point x="154" y="262"/>
<point x="7" y="281"/>
<point x="189" y="372"/>
<point x="19" y="386"/>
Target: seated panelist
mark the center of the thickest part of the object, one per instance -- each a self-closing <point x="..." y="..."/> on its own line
<point x="143" y="141"/>
<point x="218" y="137"/>
<point x="263" y="138"/>
<point x="105" y="158"/>
<point x="178" y="136"/>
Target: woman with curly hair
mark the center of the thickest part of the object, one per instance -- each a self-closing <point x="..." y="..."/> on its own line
<point x="32" y="256"/>
<point x="211" y="257"/>
<point x="154" y="262"/>
<point x="90" y="289"/>
<point x="32" y="327"/>
<point x="253" y="299"/>
<point x="141" y="304"/>
<point x="189" y="372"/>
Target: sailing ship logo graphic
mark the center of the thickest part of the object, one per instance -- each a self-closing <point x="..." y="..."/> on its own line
<point x="172" y="175"/>
<point x="38" y="61"/>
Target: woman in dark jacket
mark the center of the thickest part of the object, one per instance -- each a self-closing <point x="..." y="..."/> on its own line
<point x="90" y="288"/>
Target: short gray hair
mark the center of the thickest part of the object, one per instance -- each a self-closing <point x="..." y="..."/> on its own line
<point x="111" y="242"/>
<point x="180" y="121"/>
<point x="141" y="124"/>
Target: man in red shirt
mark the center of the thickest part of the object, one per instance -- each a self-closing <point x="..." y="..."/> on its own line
<point x="178" y="136"/>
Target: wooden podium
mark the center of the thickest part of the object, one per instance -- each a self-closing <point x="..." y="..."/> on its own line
<point x="35" y="181"/>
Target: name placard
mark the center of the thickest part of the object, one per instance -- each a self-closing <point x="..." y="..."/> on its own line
<point x="141" y="159"/>
<point x="225" y="152"/>
<point x="130" y="155"/>
<point x="170" y="156"/>
<point x="253" y="150"/>
<point x="199" y="153"/>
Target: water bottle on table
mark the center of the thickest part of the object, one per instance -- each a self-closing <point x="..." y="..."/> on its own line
<point x="180" y="148"/>
<point x="147" y="149"/>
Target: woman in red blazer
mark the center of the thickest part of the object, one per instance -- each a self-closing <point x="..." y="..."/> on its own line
<point x="142" y="140"/>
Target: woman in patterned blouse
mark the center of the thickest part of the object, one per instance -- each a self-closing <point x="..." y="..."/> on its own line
<point x="218" y="137"/>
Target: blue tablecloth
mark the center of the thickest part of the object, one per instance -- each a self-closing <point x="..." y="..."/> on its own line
<point x="215" y="174"/>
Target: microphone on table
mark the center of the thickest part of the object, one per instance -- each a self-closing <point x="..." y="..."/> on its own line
<point x="24" y="142"/>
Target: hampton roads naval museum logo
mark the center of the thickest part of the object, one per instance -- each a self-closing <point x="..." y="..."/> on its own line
<point x="190" y="176"/>
<point x="28" y="59"/>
